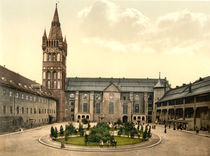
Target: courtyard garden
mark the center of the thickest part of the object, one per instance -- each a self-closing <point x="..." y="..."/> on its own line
<point x="101" y="134"/>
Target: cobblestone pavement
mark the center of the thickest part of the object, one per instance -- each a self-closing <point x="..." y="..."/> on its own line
<point x="173" y="143"/>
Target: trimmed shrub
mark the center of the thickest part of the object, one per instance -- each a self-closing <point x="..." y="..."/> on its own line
<point x="81" y="130"/>
<point x="61" y="131"/>
<point x="55" y="133"/>
<point x="52" y="131"/>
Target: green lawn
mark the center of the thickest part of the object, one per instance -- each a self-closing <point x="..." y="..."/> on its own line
<point x="120" y="141"/>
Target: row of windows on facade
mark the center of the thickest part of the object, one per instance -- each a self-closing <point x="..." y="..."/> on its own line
<point x="54" y="75"/>
<point x="23" y="96"/>
<point x="111" y="96"/>
<point x="111" y="108"/>
<point x="53" y="57"/>
<point x="54" y="85"/>
<point x="187" y="100"/>
<point x="27" y="110"/>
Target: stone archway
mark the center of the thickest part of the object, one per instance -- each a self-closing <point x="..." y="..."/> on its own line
<point x="125" y="118"/>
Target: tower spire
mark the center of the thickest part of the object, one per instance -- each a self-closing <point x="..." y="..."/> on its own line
<point x="45" y="34"/>
<point x="55" y="30"/>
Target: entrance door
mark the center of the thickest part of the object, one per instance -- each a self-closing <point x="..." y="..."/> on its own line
<point x="125" y="119"/>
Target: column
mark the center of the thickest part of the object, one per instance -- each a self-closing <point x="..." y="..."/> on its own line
<point x="76" y="105"/>
<point x="91" y="105"/>
<point x="146" y="105"/>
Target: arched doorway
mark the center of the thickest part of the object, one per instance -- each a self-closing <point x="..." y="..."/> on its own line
<point x="125" y="119"/>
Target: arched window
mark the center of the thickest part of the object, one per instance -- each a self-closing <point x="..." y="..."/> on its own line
<point x="53" y="57"/>
<point x="58" y="57"/>
<point x="125" y="108"/>
<point x="48" y="84"/>
<point x="98" y="108"/>
<point x="49" y="57"/>
<point x="45" y="56"/>
<point x="59" y="84"/>
<point x="54" y="75"/>
<point x="48" y="75"/>
<point x="84" y="107"/>
<point x="54" y="84"/>
<point x="59" y="75"/>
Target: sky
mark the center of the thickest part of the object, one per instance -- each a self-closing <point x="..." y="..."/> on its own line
<point x="111" y="38"/>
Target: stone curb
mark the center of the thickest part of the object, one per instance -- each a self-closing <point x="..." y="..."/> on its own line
<point x="92" y="149"/>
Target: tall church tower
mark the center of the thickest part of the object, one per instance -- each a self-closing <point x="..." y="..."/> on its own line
<point x="54" y="64"/>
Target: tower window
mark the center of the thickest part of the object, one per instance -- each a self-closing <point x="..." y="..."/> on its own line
<point x="58" y="57"/>
<point x="54" y="84"/>
<point x="45" y="56"/>
<point x="48" y="75"/>
<point x="49" y="57"/>
<point x="54" y="75"/>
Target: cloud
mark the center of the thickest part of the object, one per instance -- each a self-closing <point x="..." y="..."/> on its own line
<point x="106" y="20"/>
<point x="127" y="29"/>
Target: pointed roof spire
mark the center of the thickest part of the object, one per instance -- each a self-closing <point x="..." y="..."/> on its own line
<point x="55" y="17"/>
<point x="159" y="84"/>
<point x="45" y="34"/>
<point x="55" y="30"/>
<point x="65" y="40"/>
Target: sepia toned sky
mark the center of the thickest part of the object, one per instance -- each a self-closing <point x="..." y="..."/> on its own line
<point x="118" y="38"/>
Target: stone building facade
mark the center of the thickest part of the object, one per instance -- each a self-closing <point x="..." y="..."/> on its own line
<point x="110" y="99"/>
<point x="188" y="104"/>
<point x="23" y="103"/>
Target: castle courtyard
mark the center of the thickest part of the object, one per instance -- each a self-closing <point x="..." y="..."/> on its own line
<point x="174" y="142"/>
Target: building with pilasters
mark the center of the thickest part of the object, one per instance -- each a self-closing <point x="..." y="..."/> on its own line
<point x="110" y="99"/>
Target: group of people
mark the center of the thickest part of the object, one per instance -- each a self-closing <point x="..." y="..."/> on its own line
<point x="109" y="143"/>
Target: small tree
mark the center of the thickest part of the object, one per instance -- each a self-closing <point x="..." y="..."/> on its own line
<point x="149" y="132"/>
<point x="88" y="126"/>
<point x="120" y="131"/>
<point x="84" y="121"/>
<point x="66" y="135"/>
<point x="61" y="131"/>
<point x="133" y="132"/>
<point x="52" y="131"/>
<point x="119" y="122"/>
<point x="86" y="139"/>
<point x="145" y="134"/>
<point x="56" y="133"/>
<point x="81" y="130"/>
